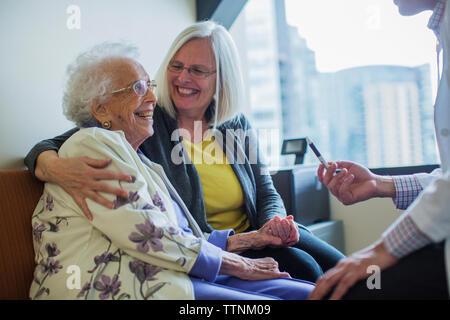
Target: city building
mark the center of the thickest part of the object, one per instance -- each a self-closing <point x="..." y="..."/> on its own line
<point x="377" y="115"/>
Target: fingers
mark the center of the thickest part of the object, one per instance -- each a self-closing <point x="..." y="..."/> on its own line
<point x="339" y="184"/>
<point x="94" y="196"/>
<point x="325" y="176"/>
<point x="99" y="173"/>
<point x="324" y="284"/>
<point x="285" y="229"/>
<point x="341" y="289"/>
<point x="96" y="163"/>
<point x="320" y="171"/>
<point x="107" y="188"/>
<point x="342" y="277"/>
<point x="83" y="205"/>
<point x="331" y="174"/>
<point x="102" y="174"/>
<point x="268" y="269"/>
<point x="280" y="228"/>
<point x="294" y="235"/>
<point x="336" y="181"/>
<point x="345" y="194"/>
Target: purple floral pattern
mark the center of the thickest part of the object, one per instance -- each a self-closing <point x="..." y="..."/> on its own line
<point x="103" y="282"/>
<point x="49" y="203"/>
<point x="158" y="201"/>
<point x="144" y="271"/>
<point x="84" y="290"/>
<point x="120" y="201"/>
<point x="108" y="286"/>
<point x="149" y="236"/>
<point x="49" y="267"/>
<point x="104" y="258"/>
<point x="38" y="228"/>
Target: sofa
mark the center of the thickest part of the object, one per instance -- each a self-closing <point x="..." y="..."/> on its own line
<point x="19" y="194"/>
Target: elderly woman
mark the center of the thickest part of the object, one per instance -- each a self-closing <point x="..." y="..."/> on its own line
<point x="147" y="245"/>
<point x="200" y="90"/>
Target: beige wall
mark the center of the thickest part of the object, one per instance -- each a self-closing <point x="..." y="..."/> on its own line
<point x="364" y="222"/>
<point x="37" y="46"/>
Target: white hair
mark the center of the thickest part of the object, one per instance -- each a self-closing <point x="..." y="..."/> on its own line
<point x="85" y="81"/>
<point x="229" y="96"/>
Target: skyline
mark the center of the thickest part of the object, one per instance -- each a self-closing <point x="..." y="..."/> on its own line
<point x="372" y="33"/>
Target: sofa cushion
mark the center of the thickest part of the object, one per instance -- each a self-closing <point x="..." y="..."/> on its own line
<point x="19" y="194"/>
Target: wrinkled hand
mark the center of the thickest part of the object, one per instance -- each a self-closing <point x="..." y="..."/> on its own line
<point x="251" y="269"/>
<point x="352" y="269"/>
<point x="353" y="184"/>
<point x="81" y="178"/>
<point x="254" y="240"/>
<point x="285" y="229"/>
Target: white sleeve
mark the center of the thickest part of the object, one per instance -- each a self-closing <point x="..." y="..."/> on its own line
<point x="431" y="210"/>
<point x="425" y="179"/>
<point x="141" y="225"/>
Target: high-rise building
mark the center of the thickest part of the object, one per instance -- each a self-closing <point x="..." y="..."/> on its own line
<point x="374" y="115"/>
<point x="262" y="77"/>
<point x="379" y="115"/>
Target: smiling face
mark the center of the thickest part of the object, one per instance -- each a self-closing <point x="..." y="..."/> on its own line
<point x="125" y="109"/>
<point x="192" y="96"/>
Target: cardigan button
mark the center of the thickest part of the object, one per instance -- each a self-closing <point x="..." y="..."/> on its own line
<point x="444" y="132"/>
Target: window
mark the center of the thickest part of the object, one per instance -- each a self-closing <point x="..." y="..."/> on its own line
<point x="353" y="75"/>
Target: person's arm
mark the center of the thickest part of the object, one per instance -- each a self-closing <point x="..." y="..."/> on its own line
<point x="404" y="237"/>
<point x="78" y="176"/>
<point x="146" y="232"/>
<point x="352" y="269"/>
<point x="274" y="233"/>
<point x="407" y="188"/>
<point x="355" y="183"/>
<point x="46" y="145"/>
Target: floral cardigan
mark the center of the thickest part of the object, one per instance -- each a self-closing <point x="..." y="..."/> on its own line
<point x="134" y="251"/>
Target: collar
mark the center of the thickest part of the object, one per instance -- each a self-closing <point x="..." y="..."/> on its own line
<point x="91" y="123"/>
<point x="436" y="18"/>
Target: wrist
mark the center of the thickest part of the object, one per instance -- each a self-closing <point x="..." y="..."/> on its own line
<point x="230" y="263"/>
<point x="384" y="257"/>
<point x="385" y="187"/>
<point x="240" y="242"/>
<point x="44" y="162"/>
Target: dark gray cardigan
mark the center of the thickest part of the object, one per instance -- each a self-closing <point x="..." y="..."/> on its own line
<point x="262" y="202"/>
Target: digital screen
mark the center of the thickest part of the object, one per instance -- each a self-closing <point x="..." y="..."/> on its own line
<point x="294" y="146"/>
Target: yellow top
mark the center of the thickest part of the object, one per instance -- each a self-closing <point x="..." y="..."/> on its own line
<point x="222" y="192"/>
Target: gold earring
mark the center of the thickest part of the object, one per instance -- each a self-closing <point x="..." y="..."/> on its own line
<point x="106" y="124"/>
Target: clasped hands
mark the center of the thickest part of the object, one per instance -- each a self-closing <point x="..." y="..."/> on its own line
<point x="277" y="232"/>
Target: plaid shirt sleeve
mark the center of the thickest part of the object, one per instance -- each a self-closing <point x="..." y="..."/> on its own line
<point x="404" y="237"/>
<point x="407" y="188"/>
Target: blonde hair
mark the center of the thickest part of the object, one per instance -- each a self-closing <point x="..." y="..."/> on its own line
<point x="229" y="96"/>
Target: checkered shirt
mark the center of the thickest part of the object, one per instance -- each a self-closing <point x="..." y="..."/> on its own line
<point x="407" y="188"/>
<point x="404" y="237"/>
<point x="436" y="17"/>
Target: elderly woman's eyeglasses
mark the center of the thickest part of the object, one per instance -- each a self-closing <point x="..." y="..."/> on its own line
<point x="197" y="72"/>
<point x="140" y="87"/>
